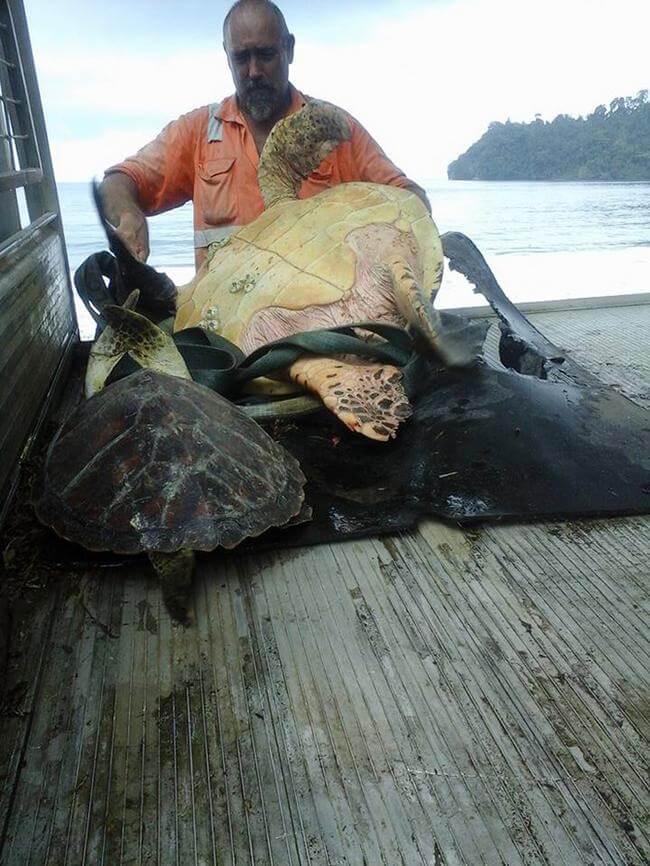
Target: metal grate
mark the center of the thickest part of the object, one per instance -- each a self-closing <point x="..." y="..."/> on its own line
<point x="20" y="163"/>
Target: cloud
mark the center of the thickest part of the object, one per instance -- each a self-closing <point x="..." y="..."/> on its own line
<point x="99" y="111"/>
<point x="425" y="78"/>
<point x="143" y="84"/>
<point x="81" y="159"/>
<point x="429" y="84"/>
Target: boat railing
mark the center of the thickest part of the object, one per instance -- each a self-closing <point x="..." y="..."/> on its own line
<point x="37" y="321"/>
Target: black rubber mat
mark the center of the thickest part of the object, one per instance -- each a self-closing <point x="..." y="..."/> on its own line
<point x="531" y="435"/>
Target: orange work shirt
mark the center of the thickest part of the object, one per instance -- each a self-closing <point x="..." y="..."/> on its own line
<point x="209" y="157"/>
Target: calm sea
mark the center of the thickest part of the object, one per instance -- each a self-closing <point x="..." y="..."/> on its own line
<point x="543" y="240"/>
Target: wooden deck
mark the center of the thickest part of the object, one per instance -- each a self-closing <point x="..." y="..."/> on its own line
<point x="443" y="697"/>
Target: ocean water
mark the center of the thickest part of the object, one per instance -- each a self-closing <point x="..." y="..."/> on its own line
<point x="544" y="241"/>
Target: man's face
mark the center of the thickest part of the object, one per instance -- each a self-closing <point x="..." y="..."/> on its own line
<point x="259" y="58"/>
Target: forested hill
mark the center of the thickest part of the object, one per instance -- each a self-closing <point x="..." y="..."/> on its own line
<point x="610" y="144"/>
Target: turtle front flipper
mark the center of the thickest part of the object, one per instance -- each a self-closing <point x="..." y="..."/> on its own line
<point x="130" y="333"/>
<point x="454" y="346"/>
<point x="368" y="398"/>
<point x="175" y="572"/>
<point x="296" y="146"/>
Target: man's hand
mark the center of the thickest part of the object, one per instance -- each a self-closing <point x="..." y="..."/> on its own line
<point x="123" y="211"/>
<point x="133" y="230"/>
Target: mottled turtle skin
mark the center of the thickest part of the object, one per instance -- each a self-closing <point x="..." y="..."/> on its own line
<point x="160" y="464"/>
<point x="317" y="262"/>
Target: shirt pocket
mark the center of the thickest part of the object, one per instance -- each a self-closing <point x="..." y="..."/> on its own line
<point x="217" y="190"/>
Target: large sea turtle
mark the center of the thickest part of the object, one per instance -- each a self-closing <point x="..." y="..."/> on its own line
<point x="355" y="252"/>
<point x="156" y="463"/>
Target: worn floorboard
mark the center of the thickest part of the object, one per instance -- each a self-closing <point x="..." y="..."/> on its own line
<point x="442" y="697"/>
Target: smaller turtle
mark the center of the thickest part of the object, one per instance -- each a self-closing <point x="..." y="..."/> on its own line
<point x="158" y="464"/>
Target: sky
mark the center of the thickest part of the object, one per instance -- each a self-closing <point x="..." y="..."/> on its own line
<point x="425" y="78"/>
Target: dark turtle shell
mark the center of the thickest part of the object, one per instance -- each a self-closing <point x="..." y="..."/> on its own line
<point x="155" y="462"/>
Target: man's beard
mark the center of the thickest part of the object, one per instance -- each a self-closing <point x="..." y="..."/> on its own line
<point x="260" y="100"/>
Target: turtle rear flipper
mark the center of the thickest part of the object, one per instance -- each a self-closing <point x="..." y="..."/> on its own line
<point x="453" y="340"/>
<point x="368" y="398"/>
<point x="175" y="572"/>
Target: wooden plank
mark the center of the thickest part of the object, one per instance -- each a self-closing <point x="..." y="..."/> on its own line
<point x="365" y="700"/>
<point x="15" y="179"/>
<point x="51" y="399"/>
<point x="21" y="415"/>
<point x="11" y="249"/>
<point x="37" y="327"/>
<point x="30" y="315"/>
<point x="642" y="299"/>
<point x="21" y="686"/>
<point x="443" y="697"/>
<point x="614" y="342"/>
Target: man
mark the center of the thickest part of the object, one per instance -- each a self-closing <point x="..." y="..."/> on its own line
<point x="211" y="155"/>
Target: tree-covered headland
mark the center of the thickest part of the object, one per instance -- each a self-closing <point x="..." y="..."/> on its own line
<point x="609" y="144"/>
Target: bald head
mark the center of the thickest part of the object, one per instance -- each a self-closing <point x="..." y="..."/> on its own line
<point x="259" y="48"/>
<point x="255" y="8"/>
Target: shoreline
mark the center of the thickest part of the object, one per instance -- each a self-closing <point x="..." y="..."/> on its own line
<point x="527" y="278"/>
<point x="539" y="180"/>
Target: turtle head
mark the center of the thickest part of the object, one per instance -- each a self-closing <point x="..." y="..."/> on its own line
<point x="129" y="333"/>
<point x="296" y="146"/>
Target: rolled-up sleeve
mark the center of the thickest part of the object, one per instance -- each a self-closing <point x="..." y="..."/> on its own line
<point x="163" y="170"/>
<point x="363" y="159"/>
<point x="370" y="161"/>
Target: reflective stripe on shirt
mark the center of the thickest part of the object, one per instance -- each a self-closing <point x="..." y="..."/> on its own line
<point x="215" y="124"/>
<point x="209" y="156"/>
<point x="205" y="237"/>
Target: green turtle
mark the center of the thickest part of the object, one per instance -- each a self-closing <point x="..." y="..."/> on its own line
<point x="159" y="464"/>
<point x="355" y="252"/>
